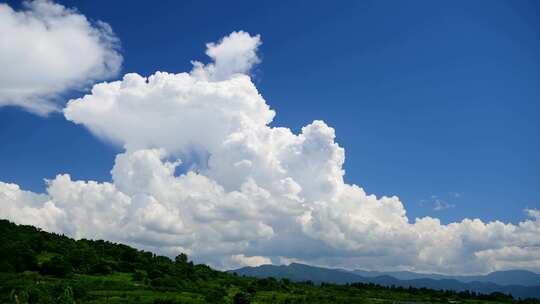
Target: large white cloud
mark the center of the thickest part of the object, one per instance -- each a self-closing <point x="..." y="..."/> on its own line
<point x="46" y="49"/>
<point x="257" y="193"/>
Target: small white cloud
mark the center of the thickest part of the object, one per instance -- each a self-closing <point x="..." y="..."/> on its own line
<point x="287" y="261"/>
<point x="234" y="54"/>
<point x="240" y="260"/>
<point x="456" y="194"/>
<point x="439" y="204"/>
<point x="47" y="49"/>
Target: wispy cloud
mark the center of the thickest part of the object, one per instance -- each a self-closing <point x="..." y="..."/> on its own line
<point x="455" y="194"/>
<point x="439" y="205"/>
<point x="438" y="202"/>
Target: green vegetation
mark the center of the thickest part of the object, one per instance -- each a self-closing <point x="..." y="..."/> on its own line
<point x="41" y="267"/>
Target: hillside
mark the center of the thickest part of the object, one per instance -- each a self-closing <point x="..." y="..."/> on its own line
<point x="42" y="267"/>
<point x="483" y="284"/>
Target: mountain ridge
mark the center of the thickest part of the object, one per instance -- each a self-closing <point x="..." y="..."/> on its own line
<point x="503" y="277"/>
<point x="303" y="272"/>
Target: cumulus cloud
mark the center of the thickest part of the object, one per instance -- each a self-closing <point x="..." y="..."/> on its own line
<point x="234" y="54"/>
<point x="258" y="194"/>
<point x="240" y="260"/>
<point x="46" y="49"/>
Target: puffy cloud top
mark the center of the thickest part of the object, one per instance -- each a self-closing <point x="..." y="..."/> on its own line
<point x="262" y="194"/>
<point x="135" y="112"/>
<point x="234" y="54"/>
<point x="46" y="49"/>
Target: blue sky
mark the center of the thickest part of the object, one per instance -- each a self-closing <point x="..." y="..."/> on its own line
<point x="428" y="99"/>
<point x="434" y="103"/>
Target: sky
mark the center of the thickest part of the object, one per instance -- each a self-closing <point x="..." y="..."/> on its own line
<point x="436" y="104"/>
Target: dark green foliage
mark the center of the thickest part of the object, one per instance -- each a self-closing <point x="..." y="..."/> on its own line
<point x="215" y="295"/>
<point x="138" y="276"/>
<point x="164" y="301"/>
<point x="57" y="267"/>
<point x="100" y="267"/>
<point x="18" y="253"/>
<point x="47" y="268"/>
<point x="5" y="266"/>
<point x="242" y="298"/>
<point x="181" y="259"/>
<point x="166" y="282"/>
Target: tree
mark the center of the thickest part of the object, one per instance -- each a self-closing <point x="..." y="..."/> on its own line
<point x="19" y="255"/>
<point x="242" y="298"/>
<point x="100" y="267"/>
<point x="181" y="259"/>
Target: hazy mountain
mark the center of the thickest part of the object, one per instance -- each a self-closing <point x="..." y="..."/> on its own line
<point x="299" y="272"/>
<point x="509" y="277"/>
<point x="481" y="284"/>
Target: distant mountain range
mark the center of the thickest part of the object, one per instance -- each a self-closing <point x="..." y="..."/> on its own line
<point x="519" y="283"/>
<point x="509" y="277"/>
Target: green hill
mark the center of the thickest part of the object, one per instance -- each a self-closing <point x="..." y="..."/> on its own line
<point x="42" y="267"/>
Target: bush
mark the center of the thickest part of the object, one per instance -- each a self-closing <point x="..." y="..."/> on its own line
<point x="37" y="295"/>
<point x="138" y="276"/>
<point x="125" y="267"/>
<point x="100" y="268"/>
<point x="215" y="295"/>
<point x="56" y="267"/>
<point x="78" y="291"/>
<point x="169" y="282"/>
<point x="242" y="298"/>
